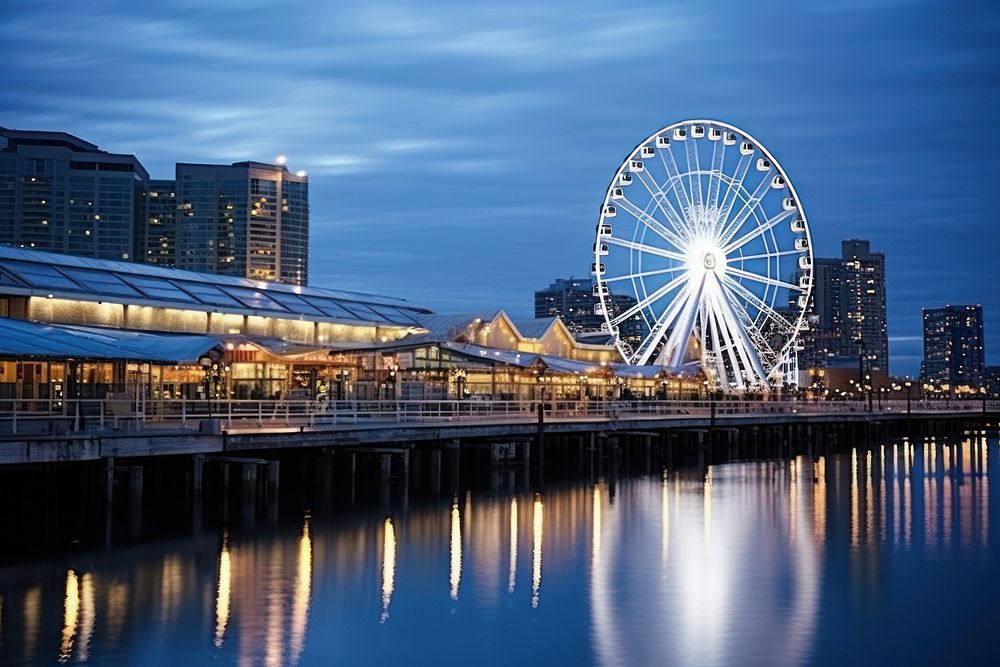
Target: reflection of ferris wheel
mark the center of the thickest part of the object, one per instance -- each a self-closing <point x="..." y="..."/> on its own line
<point x="702" y="225"/>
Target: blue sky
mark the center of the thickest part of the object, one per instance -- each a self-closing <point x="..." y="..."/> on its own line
<point x="458" y="153"/>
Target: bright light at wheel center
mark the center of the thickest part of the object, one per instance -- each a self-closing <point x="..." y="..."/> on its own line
<point x="704" y="257"/>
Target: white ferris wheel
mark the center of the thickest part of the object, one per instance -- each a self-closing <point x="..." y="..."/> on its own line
<point x="702" y="226"/>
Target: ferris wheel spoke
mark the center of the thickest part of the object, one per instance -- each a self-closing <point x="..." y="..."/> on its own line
<point x="730" y="228"/>
<point x="715" y="175"/>
<point x="766" y="310"/>
<point x="758" y="343"/>
<point x="766" y="280"/>
<point x="649" y="220"/>
<point x="733" y="189"/>
<point x="766" y="255"/>
<point x="644" y="274"/>
<point x="643" y="247"/>
<point x="748" y="321"/>
<point x="713" y="342"/>
<point x="653" y="296"/>
<point x="745" y="348"/>
<point x="660" y="196"/>
<point x="652" y="223"/>
<point x="694" y="178"/>
<point x="771" y="223"/>
<point x="678" y="340"/>
<point x="727" y="339"/>
<point x="677" y="182"/>
<point x="667" y="317"/>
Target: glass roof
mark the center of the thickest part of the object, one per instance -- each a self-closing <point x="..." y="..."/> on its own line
<point x="61" y="275"/>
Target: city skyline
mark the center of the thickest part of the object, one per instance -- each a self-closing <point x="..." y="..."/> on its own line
<point x="514" y="149"/>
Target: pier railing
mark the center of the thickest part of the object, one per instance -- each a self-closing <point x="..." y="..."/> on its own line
<point x="55" y="416"/>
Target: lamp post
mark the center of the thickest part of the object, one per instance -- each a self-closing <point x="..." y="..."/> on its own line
<point x="540" y="378"/>
<point x="206" y="364"/>
<point x="711" y="403"/>
<point x="909" y="386"/>
<point x="459" y="374"/>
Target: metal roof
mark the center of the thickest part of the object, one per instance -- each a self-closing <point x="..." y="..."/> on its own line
<point x="536" y="327"/>
<point x="19" y="338"/>
<point x="37" y="273"/>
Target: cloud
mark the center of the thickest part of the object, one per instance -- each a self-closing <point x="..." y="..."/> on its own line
<point x="458" y="152"/>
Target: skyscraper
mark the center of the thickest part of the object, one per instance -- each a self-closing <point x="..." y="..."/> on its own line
<point x="63" y="194"/>
<point x="954" y="356"/>
<point x="158" y="240"/>
<point x="847" y="313"/>
<point x="863" y="304"/>
<point x="247" y="219"/>
<point x="573" y="300"/>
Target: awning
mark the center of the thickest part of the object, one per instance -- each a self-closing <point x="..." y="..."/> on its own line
<point x="19" y="339"/>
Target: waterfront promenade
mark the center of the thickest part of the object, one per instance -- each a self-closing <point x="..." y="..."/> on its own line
<point x="35" y="432"/>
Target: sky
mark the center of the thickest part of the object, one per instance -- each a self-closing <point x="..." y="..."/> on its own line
<point x="459" y="152"/>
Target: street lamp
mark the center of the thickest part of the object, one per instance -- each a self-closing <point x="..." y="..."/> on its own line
<point x="908" y="385"/>
<point x="206" y="364"/>
<point x="460" y="376"/>
<point x="711" y="402"/>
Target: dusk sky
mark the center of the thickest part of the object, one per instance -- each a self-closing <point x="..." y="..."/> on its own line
<point x="458" y="154"/>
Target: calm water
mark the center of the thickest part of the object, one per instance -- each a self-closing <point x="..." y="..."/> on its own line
<point x="887" y="556"/>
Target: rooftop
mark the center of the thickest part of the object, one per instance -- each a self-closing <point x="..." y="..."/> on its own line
<point x="38" y="273"/>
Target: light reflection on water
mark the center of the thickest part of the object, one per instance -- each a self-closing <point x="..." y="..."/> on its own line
<point x="771" y="562"/>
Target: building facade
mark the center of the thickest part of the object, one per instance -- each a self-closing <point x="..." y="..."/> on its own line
<point x="63" y="194"/>
<point x="73" y="328"/>
<point x="573" y="300"/>
<point x="954" y="351"/>
<point x="158" y="240"/>
<point x="248" y="219"/>
<point x="847" y="313"/>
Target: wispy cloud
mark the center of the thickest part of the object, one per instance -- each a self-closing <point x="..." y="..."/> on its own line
<point x="458" y="151"/>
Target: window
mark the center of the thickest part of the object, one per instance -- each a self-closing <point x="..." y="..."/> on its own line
<point x="101" y="282"/>
<point x="253" y="298"/>
<point x="41" y="275"/>
<point x="208" y="294"/>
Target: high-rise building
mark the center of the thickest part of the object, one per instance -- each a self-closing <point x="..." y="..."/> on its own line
<point x="954" y="357"/>
<point x="821" y="342"/>
<point x="847" y="312"/>
<point x="247" y="219"/>
<point x="158" y="241"/>
<point x="991" y="380"/>
<point x="863" y="304"/>
<point x="573" y="300"/>
<point x="63" y="194"/>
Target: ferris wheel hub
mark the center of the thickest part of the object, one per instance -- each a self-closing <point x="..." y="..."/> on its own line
<point x="709" y="260"/>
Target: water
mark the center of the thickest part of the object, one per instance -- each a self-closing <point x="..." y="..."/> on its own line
<point x="881" y="556"/>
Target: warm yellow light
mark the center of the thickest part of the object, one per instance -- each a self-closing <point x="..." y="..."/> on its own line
<point x="512" y="570"/>
<point x="536" y="554"/>
<point x="388" y="567"/>
<point x="71" y="613"/>
<point x="223" y="593"/>
<point x="303" y="588"/>
<point x="455" y="574"/>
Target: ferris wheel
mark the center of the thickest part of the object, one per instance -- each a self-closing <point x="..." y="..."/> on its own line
<point x="703" y="243"/>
